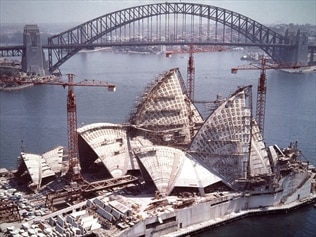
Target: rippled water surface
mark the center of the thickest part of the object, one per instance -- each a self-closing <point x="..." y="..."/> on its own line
<point x="37" y="115"/>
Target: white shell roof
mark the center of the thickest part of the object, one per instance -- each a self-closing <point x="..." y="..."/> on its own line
<point x="218" y="152"/>
<point x="97" y="125"/>
<point x="33" y="165"/>
<point x="165" y="106"/>
<point x="109" y="142"/>
<point x="223" y="142"/>
<point x="53" y="160"/>
<point x="162" y="164"/>
<point x="193" y="174"/>
<point x="171" y="167"/>
<point x="43" y="166"/>
<point x="259" y="161"/>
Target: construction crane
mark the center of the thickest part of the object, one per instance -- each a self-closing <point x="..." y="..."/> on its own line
<point x="191" y="74"/>
<point x="191" y="66"/>
<point x="190" y="69"/>
<point x="73" y="172"/>
<point x="262" y="85"/>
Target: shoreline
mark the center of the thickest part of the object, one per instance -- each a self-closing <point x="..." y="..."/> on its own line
<point x="183" y="232"/>
<point x="302" y="70"/>
<point x="217" y="222"/>
<point x="15" y="88"/>
<point x="22" y="82"/>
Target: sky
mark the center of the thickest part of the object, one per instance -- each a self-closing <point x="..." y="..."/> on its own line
<point x="79" y="11"/>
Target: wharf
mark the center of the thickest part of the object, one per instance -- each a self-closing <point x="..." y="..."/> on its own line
<point x="14" y="88"/>
<point x="234" y="216"/>
<point x="21" y="82"/>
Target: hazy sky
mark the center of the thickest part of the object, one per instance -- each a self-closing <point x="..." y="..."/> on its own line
<point x="79" y="11"/>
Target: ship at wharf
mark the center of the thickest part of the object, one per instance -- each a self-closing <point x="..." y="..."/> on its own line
<point x="166" y="171"/>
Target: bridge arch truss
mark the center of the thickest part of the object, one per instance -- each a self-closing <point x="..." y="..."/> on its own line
<point x="165" y="24"/>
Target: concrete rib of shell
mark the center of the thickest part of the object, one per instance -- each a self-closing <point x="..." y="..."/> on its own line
<point x="109" y="142"/>
<point x="165" y="110"/>
<point x="223" y="142"/>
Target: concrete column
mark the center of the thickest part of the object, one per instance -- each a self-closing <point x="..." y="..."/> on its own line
<point x="302" y="48"/>
<point x="33" y="60"/>
<point x="312" y="57"/>
<point x="298" y="54"/>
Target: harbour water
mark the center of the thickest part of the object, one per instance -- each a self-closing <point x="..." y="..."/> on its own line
<point x="34" y="119"/>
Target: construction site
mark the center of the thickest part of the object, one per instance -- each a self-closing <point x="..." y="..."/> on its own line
<point x="165" y="171"/>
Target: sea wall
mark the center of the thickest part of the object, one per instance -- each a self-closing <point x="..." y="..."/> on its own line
<point x="301" y="193"/>
<point x="207" y="211"/>
<point x="221" y="207"/>
<point x="222" y="210"/>
<point x="154" y="226"/>
<point x="172" y="221"/>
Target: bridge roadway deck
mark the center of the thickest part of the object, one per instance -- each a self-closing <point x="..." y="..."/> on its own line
<point x="111" y="44"/>
<point x="18" y="49"/>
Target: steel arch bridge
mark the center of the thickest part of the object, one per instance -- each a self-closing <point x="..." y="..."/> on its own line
<point x="166" y="24"/>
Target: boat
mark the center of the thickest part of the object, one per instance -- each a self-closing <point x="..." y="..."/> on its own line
<point x="166" y="171"/>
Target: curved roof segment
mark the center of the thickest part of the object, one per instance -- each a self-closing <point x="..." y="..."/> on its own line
<point x="163" y="164"/>
<point x="259" y="163"/>
<point x="194" y="174"/>
<point x="109" y="143"/>
<point x="227" y="147"/>
<point x="165" y="114"/>
<point x="42" y="166"/>
<point x="170" y="167"/>
<point x="229" y="142"/>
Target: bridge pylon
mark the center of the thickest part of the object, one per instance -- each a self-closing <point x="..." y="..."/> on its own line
<point x="298" y="54"/>
<point x="33" y="59"/>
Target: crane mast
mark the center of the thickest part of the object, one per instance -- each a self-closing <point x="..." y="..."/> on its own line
<point x="191" y="74"/>
<point x="262" y="86"/>
<point x="190" y="70"/>
<point x="73" y="172"/>
<point x="261" y="89"/>
<point x="261" y="97"/>
<point x="191" y="66"/>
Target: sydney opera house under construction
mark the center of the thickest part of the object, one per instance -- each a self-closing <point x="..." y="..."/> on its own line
<point x="168" y="171"/>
